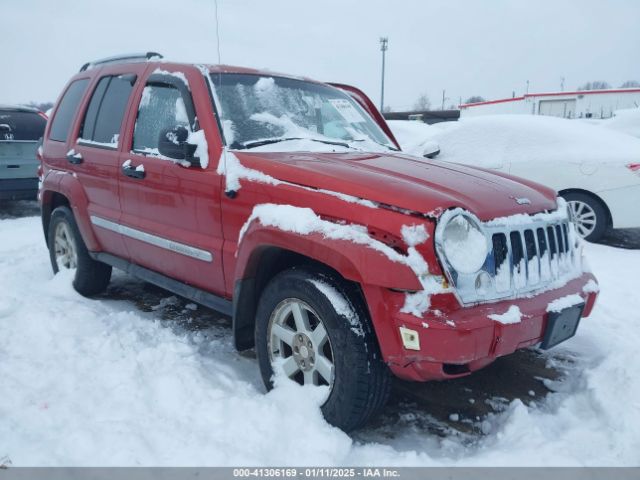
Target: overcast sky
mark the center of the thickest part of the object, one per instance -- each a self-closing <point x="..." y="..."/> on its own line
<point x="473" y="47"/>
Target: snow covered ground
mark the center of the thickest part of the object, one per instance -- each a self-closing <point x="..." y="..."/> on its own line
<point x="138" y="377"/>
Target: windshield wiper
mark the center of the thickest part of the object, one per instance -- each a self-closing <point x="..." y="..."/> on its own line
<point x="375" y="141"/>
<point x="268" y="141"/>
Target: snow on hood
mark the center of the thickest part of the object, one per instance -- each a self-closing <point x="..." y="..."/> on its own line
<point x="497" y="139"/>
<point x="405" y="182"/>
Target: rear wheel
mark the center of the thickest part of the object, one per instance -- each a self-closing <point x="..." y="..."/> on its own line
<point x="310" y="328"/>
<point x="68" y="251"/>
<point x="590" y="215"/>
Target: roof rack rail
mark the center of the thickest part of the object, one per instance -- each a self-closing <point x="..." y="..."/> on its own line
<point x="126" y="58"/>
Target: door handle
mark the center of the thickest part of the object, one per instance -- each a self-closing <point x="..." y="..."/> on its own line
<point x="74" y="157"/>
<point x="133" y="172"/>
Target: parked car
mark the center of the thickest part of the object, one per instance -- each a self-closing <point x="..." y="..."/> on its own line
<point x="286" y="204"/>
<point x="21" y="128"/>
<point x="595" y="169"/>
<point x="626" y="120"/>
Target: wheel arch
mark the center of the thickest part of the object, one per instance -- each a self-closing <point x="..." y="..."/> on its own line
<point x="50" y="200"/>
<point x="595" y="197"/>
<point x="265" y="263"/>
<point x="68" y="191"/>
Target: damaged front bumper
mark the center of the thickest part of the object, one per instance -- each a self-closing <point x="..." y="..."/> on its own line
<point x="452" y="340"/>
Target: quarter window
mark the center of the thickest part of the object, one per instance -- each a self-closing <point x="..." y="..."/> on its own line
<point x="161" y="107"/>
<point x="104" y="115"/>
<point x="67" y="109"/>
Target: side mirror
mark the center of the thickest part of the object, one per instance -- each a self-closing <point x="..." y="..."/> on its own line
<point x="4" y="128"/>
<point x="172" y="143"/>
<point x="430" y="149"/>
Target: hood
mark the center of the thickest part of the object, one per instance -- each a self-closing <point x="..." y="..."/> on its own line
<point x="418" y="184"/>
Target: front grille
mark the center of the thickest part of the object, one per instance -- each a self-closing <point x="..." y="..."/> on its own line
<point x="523" y="258"/>
<point x="526" y="257"/>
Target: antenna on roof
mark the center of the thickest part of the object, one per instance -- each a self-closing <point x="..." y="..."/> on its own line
<point x="215" y="2"/>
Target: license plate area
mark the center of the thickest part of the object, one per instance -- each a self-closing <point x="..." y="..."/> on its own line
<point x="561" y="326"/>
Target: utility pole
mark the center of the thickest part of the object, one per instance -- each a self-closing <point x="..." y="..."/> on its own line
<point x="444" y="98"/>
<point x="562" y="84"/>
<point x="383" y="48"/>
<point x="527" y="86"/>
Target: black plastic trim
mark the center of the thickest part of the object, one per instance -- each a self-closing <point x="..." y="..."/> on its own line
<point x="126" y="58"/>
<point x="203" y="297"/>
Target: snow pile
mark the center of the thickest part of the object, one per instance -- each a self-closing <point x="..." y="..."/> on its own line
<point x="512" y="315"/>
<point x="624" y="121"/>
<point x="492" y="141"/>
<point x="96" y="382"/>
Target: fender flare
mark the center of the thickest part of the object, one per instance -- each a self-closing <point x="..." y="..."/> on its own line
<point x="69" y="186"/>
<point x="354" y="262"/>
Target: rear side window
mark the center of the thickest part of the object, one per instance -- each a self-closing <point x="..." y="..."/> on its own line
<point x="21" y="125"/>
<point x="67" y="109"/>
<point x="104" y="115"/>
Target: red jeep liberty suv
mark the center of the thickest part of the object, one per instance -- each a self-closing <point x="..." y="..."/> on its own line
<point x="287" y="204"/>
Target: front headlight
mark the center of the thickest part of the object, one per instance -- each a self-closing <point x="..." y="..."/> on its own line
<point x="464" y="244"/>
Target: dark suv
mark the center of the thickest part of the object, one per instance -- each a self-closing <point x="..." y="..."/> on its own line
<point x="287" y="204"/>
<point x="21" y="128"/>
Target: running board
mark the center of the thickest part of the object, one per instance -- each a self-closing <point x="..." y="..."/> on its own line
<point x="202" y="297"/>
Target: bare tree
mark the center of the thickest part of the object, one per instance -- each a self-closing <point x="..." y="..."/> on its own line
<point x="422" y="103"/>
<point x="387" y="109"/>
<point x="474" y="99"/>
<point x="630" y="84"/>
<point x="595" y="85"/>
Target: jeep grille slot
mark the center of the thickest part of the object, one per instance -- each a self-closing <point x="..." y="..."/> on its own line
<point x="523" y="259"/>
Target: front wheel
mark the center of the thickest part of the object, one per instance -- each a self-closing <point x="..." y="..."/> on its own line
<point x="68" y="251"/>
<point x="309" y="329"/>
<point x="589" y="214"/>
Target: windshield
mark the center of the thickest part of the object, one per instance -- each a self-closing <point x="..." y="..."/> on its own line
<point x="287" y="114"/>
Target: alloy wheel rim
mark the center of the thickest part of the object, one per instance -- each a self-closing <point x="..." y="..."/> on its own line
<point x="299" y="345"/>
<point x="64" y="248"/>
<point x="584" y="217"/>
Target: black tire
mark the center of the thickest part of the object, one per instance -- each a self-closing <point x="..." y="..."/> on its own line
<point x="362" y="381"/>
<point x="599" y="211"/>
<point x="91" y="277"/>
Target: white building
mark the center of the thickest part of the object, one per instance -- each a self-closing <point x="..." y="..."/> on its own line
<point x="580" y="104"/>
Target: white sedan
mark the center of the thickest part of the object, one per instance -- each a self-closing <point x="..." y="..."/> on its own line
<point x="595" y="169"/>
